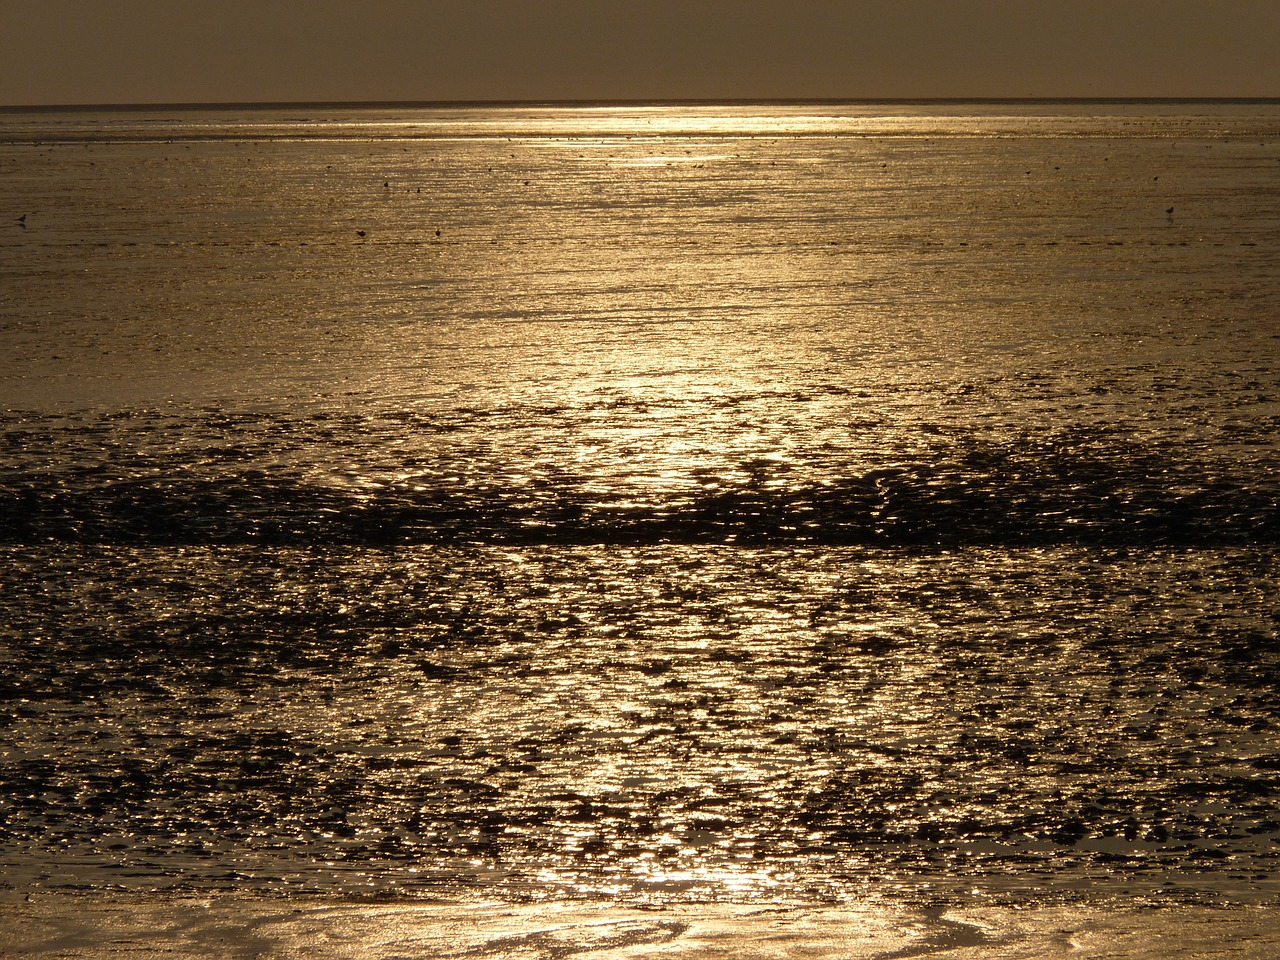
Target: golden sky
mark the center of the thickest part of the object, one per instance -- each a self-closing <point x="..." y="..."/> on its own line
<point x="129" y="51"/>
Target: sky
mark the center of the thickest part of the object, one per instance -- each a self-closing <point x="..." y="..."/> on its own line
<point x="189" y="51"/>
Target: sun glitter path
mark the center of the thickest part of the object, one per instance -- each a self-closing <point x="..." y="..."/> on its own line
<point x="229" y="928"/>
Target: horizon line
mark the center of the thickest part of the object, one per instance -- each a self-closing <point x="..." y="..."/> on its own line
<point x="622" y="101"/>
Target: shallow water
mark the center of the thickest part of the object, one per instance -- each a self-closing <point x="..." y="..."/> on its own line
<point x="680" y="504"/>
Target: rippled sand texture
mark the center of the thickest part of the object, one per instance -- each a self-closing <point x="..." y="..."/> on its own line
<point x="654" y="505"/>
<point x="212" y="929"/>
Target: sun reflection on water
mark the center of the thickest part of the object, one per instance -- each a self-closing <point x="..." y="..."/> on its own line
<point x="636" y="508"/>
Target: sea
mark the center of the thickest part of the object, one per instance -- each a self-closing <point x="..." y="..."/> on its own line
<point x="648" y="504"/>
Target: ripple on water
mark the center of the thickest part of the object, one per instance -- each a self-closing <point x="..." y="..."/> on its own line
<point x="651" y="721"/>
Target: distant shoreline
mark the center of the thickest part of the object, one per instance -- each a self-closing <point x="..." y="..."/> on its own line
<point x="691" y="102"/>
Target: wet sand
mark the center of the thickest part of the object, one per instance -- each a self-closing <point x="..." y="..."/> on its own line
<point x="87" y="927"/>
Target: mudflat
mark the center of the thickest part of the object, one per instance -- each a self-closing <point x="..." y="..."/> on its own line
<point x="88" y="927"/>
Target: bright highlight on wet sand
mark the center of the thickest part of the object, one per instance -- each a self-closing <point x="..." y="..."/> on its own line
<point x="640" y="531"/>
<point x="218" y="927"/>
